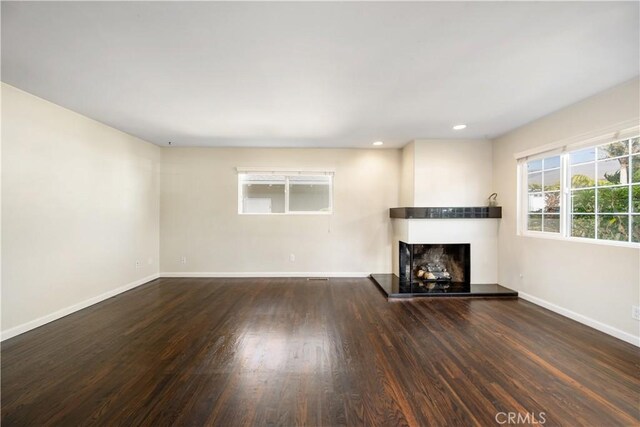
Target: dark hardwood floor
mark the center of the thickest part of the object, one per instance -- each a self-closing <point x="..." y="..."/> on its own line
<point x="293" y="352"/>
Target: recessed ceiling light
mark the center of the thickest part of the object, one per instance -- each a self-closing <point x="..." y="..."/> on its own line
<point x="459" y="127"/>
<point x="378" y="143"/>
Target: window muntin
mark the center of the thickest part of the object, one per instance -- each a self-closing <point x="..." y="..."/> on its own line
<point x="591" y="193"/>
<point x="285" y="194"/>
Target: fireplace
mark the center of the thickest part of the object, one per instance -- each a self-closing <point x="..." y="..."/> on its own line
<point x="435" y="266"/>
<point x="442" y="267"/>
<point x="436" y="270"/>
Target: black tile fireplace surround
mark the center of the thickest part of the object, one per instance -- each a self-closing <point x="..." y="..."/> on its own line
<point x="478" y="212"/>
<point x="436" y="270"/>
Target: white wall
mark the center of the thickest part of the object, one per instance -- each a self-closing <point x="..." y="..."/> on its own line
<point x="450" y="173"/>
<point x="593" y="283"/>
<point x="200" y="221"/>
<point x="79" y="206"/>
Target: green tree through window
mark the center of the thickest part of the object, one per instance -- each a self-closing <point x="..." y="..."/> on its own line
<point x="603" y="194"/>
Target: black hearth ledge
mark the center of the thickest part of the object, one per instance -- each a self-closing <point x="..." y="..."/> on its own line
<point x="472" y="212"/>
<point x="391" y="286"/>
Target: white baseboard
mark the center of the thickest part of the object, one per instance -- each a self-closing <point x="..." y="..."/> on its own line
<point x="20" y="329"/>
<point x="264" y="274"/>
<point x="602" y="327"/>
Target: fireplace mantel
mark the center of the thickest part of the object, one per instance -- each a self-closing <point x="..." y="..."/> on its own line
<point x="477" y="212"/>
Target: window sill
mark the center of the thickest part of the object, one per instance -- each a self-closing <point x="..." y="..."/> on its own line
<point x="550" y="236"/>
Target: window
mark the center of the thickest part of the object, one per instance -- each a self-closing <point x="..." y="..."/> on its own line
<point x="263" y="193"/>
<point x="285" y="193"/>
<point x="543" y="193"/>
<point x="590" y="193"/>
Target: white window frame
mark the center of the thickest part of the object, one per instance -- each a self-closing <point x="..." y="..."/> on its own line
<point x="565" y="190"/>
<point x="287" y="173"/>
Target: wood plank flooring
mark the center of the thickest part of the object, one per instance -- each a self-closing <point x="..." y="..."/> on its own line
<point x="294" y="352"/>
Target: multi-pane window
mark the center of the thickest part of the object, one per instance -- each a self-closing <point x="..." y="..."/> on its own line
<point x="543" y="188"/>
<point x="589" y="193"/>
<point x="272" y="193"/>
<point x="605" y="191"/>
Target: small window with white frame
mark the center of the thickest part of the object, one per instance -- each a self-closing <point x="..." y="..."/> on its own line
<point x="285" y="192"/>
<point x="586" y="193"/>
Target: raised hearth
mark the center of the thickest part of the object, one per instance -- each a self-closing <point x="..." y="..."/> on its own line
<point x="393" y="287"/>
<point x="438" y="270"/>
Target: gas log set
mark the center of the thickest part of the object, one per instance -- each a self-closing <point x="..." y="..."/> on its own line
<point x="433" y="274"/>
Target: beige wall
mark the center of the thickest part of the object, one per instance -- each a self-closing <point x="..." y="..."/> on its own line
<point x="593" y="283"/>
<point x="452" y="172"/>
<point x="200" y="221"/>
<point x="407" y="175"/>
<point x="79" y="207"/>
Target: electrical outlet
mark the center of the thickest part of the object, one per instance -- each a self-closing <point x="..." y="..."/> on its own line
<point x="292" y="257"/>
<point x="138" y="263"/>
<point x="635" y="312"/>
<point x="183" y="260"/>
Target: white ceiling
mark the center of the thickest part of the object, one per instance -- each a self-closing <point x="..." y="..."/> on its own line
<point x="317" y="74"/>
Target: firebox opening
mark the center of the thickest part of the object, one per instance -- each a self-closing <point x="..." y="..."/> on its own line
<point x="435" y="265"/>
